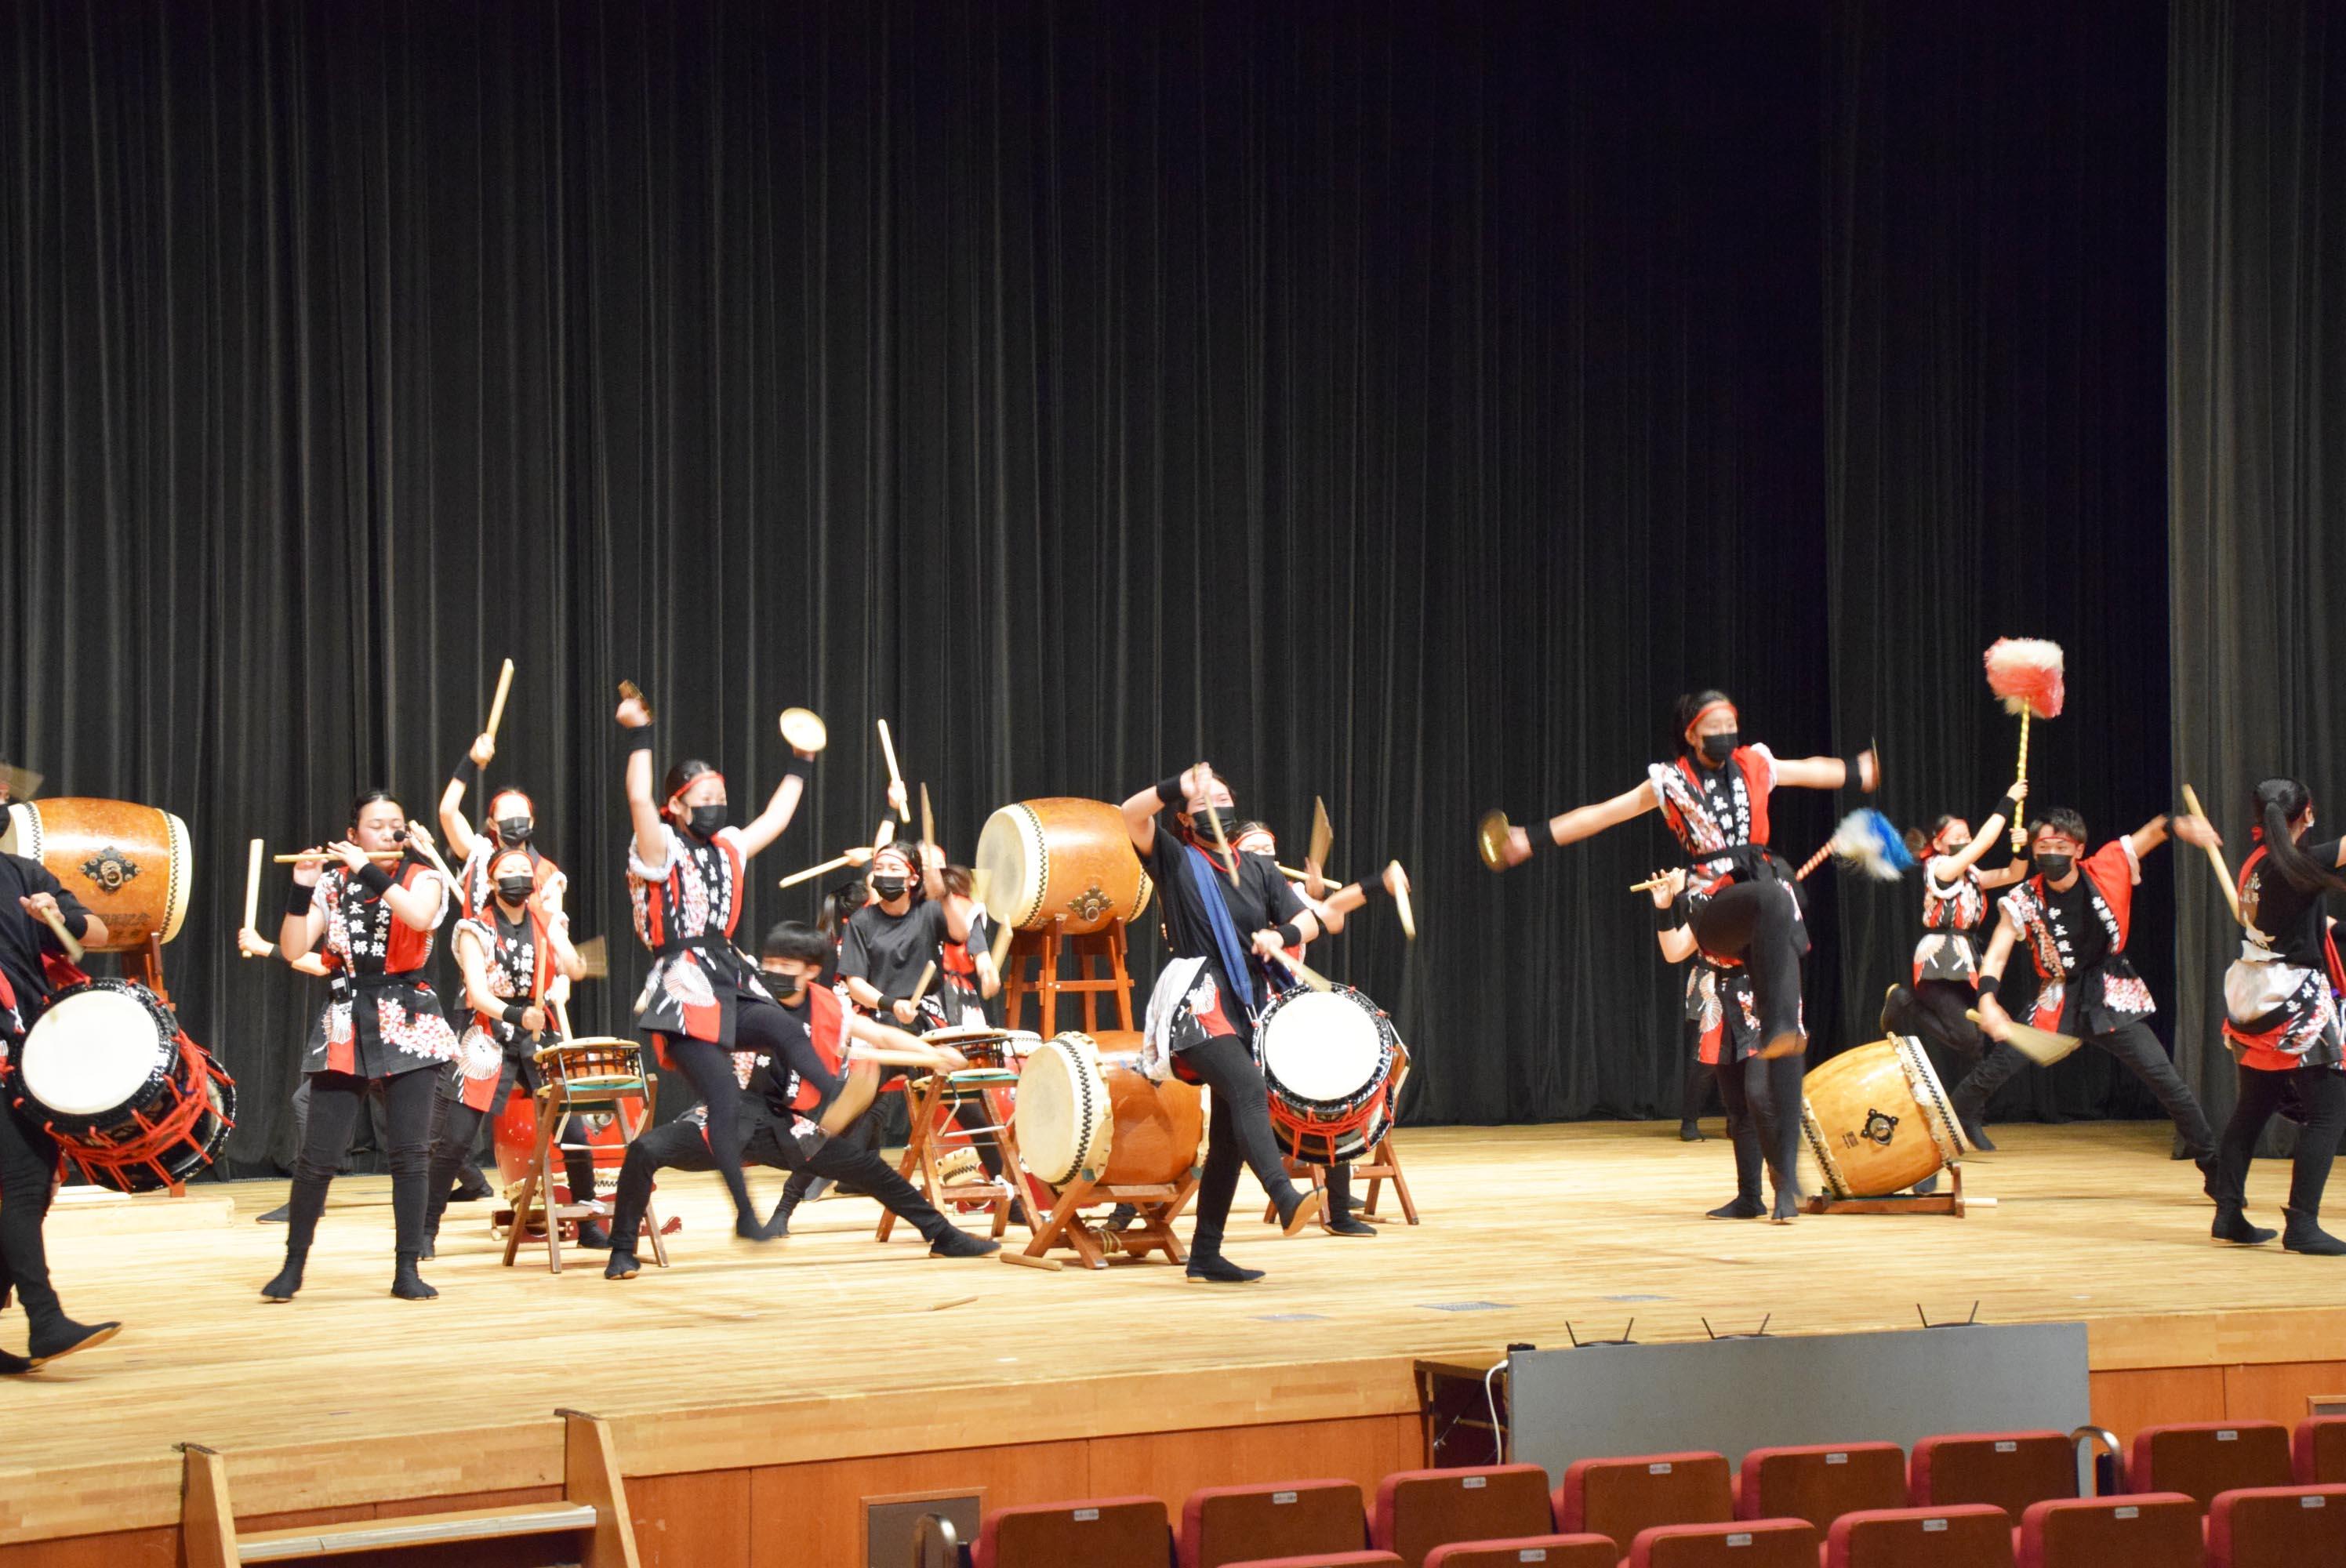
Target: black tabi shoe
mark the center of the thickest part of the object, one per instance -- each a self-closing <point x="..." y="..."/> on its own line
<point x="1740" y="1208"/>
<point x="1120" y="1217"/>
<point x="431" y="1246"/>
<point x="1689" y="1133"/>
<point x="1887" y="1021"/>
<point x="281" y="1214"/>
<point x="623" y="1266"/>
<point x="1788" y="1207"/>
<point x="2232" y="1225"/>
<point x="1213" y="1268"/>
<point x="1927" y="1186"/>
<point x="1975" y="1133"/>
<point x="461" y="1192"/>
<point x="1345" y="1222"/>
<point x="593" y="1238"/>
<point x="2302" y="1233"/>
<point x="1307" y="1207"/>
<point x="47" y="1345"/>
<point x="408" y="1285"/>
<point x="288" y="1283"/>
<point x="13" y="1366"/>
<point x="957" y="1242"/>
<point x="750" y="1227"/>
<point x="2208" y="1177"/>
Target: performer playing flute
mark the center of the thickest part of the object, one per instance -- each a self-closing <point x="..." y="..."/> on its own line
<point x="382" y="1028"/>
<point x="2281" y="1014"/>
<point x="517" y="961"/>
<point x="1741" y="903"/>
<point x="1946" y="960"/>
<point x="30" y="895"/>
<point x="1725" y="1023"/>
<point x="701" y="998"/>
<point x="2074" y="914"/>
<point x="1226" y="917"/>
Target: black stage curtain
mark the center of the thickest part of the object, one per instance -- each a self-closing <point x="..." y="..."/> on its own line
<point x="1994" y="301"/>
<point x="1392" y="402"/>
<point x="2257" y="384"/>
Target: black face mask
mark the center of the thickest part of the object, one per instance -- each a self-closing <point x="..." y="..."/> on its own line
<point x="778" y="980"/>
<point x="515" y="889"/>
<point x="1718" y="748"/>
<point x="890" y="888"/>
<point x="2054" y="866"/>
<point x="706" y="820"/>
<point x="515" y="829"/>
<point x="1202" y="825"/>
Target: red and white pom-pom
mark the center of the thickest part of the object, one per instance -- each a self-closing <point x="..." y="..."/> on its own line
<point x="2027" y="673"/>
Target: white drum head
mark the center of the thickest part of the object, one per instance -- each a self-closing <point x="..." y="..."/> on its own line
<point x="1322" y="1046"/>
<point x="1011" y="859"/>
<point x="91" y="1051"/>
<point x="1064" y="1119"/>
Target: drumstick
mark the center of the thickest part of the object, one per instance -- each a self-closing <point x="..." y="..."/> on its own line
<point x="1214" y="819"/>
<point x="895" y="777"/>
<point x="1050" y="1265"/>
<point x="306" y="856"/>
<point x="1004" y="934"/>
<point x="895" y="1057"/>
<point x="562" y="1019"/>
<point x="497" y="703"/>
<point x="2041" y="1047"/>
<point x="1303" y="972"/>
<point x="432" y="855"/>
<point x="65" y="937"/>
<point x="2216" y="857"/>
<point x="928" y="817"/>
<point x="1400" y="902"/>
<point x="928" y="978"/>
<point x="1292" y="875"/>
<point x="252" y="888"/>
<point x="832" y="864"/>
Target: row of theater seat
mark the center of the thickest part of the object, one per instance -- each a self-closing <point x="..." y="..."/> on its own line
<point x="2233" y="1494"/>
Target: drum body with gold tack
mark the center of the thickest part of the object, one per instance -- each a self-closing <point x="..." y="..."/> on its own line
<point x="129" y="864"/>
<point x="1060" y="856"/>
<point x="1878" y="1120"/>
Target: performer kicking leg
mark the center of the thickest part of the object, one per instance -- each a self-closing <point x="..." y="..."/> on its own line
<point x="2075" y="915"/>
<point x="1726" y="1026"/>
<point x="382" y="1027"/>
<point x="1946" y="985"/>
<point x="29" y="893"/>
<point x="2281" y="1017"/>
<point x="1225" y="914"/>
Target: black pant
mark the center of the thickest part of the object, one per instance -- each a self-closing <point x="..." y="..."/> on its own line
<point x="2315" y="1095"/>
<point x="28" y="1168"/>
<point x="1759" y="923"/>
<point x="334" y="1101"/>
<point x="681" y="1146"/>
<point x="1740" y="1085"/>
<point x="2133" y="1045"/>
<point x="452" y="1149"/>
<point x="1694" y="1088"/>
<point x="1934" y="1010"/>
<point x="760" y="1026"/>
<point x="1239" y="1133"/>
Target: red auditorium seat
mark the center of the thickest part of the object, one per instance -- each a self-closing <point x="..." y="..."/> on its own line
<point x="2204" y="1458"/>
<point x="1821" y="1483"/>
<point x="1620" y="1497"/>
<point x="1325" y="1560"/>
<point x="2151" y="1529"/>
<point x="1967" y="1535"/>
<point x="1097" y="1533"/>
<point x="1419" y="1510"/>
<point x="1554" y="1551"/>
<point x="2012" y="1471"/>
<point x="2278" y="1527"/>
<point x="1225" y="1524"/>
<point x="2319" y="1450"/>
<point x="1742" y="1543"/>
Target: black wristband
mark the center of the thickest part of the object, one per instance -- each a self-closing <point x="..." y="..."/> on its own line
<point x="1667" y="918"/>
<point x="639" y="738"/>
<point x="1288" y="934"/>
<point x="372" y="878"/>
<point x="798" y="768"/>
<point x="296" y="903"/>
<point x="2009" y="808"/>
<point x="465" y="767"/>
<point x="1371" y="889"/>
<point x="1854" y="763"/>
<point x="514" y="1013"/>
<point x="1170" y="793"/>
<point x="75" y="922"/>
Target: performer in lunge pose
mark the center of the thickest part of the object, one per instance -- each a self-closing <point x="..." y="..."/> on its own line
<point x="517" y="961"/>
<point x="1725" y="1023"/>
<point x="2073" y="915"/>
<point x="701" y="998"/>
<point x="1227" y="915"/>
<point x="2281" y="1014"/>
<point x="1742" y="903"/>
<point x="1946" y="960"/>
<point x="382" y="1027"/>
<point x="30" y="895"/>
<point x="771" y="1120"/>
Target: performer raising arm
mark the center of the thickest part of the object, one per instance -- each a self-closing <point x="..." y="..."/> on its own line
<point x="1201" y="1014"/>
<point x="2075" y="915"/>
<point x="512" y="824"/>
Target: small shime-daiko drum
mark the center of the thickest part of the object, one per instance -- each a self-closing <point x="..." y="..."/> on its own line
<point x="1001" y="1050"/>
<point x="1328" y="1058"/>
<point x="1083" y="1111"/>
<point x="589" y="1065"/>
<point x="135" y="1104"/>
<point x="1878" y="1120"/>
<point x="1062" y="857"/>
<point x="130" y="864"/>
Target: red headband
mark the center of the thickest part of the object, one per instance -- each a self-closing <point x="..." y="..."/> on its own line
<point x="704" y="773"/>
<point x="1705" y="711"/>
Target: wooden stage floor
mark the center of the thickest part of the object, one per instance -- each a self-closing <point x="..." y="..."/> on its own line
<point x="826" y="1346"/>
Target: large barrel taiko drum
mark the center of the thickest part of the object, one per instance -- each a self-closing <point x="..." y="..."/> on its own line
<point x="130" y="864"/>
<point x="1082" y="1110"/>
<point x="1062" y="857"/>
<point x="1878" y="1120"/>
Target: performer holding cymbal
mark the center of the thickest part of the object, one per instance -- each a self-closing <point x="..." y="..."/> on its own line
<point x="382" y="1027"/>
<point x="702" y="1000"/>
<point x="1741" y="903"/>
<point x="31" y="897"/>
<point x="1226" y="915"/>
